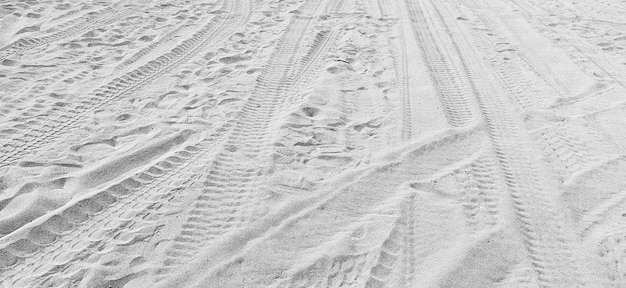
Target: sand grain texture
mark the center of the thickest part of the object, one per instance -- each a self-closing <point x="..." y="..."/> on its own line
<point x="313" y="143"/>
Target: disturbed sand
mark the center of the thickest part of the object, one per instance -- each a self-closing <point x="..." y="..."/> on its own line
<point x="313" y="143"/>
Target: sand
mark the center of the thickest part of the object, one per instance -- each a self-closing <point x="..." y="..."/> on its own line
<point x="313" y="143"/>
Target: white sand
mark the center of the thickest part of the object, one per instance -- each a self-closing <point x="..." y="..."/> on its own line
<point x="313" y="143"/>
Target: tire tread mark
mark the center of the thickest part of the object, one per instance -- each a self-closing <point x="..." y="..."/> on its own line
<point x="576" y="51"/>
<point x="96" y="220"/>
<point x="230" y="199"/>
<point x="546" y="239"/>
<point x="480" y="193"/>
<point x="451" y="81"/>
<point x="338" y="271"/>
<point x="67" y="118"/>
<point x="400" y="60"/>
<point x="139" y="55"/>
<point x="398" y="250"/>
<point x="104" y="17"/>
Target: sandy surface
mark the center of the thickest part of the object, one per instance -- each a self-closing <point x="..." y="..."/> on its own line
<point x="313" y="143"/>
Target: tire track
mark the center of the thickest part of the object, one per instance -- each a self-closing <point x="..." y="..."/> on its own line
<point x="402" y="71"/>
<point x="231" y="199"/>
<point x="29" y="102"/>
<point x="47" y="83"/>
<point x="402" y="251"/>
<point x="593" y="203"/>
<point x="502" y="55"/>
<point x="450" y="77"/>
<point x="306" y="64"/>
<point x="104" y="17"/>
<point x="78" y="229"/>
<point x="481" y="194"/>
<point x="337" y="7"/>
<point x="141" y="54"/>
<point x="349" y="106"/>
<point x="124" y="214"/>
<point x="422" y="242"/>
<point x="397" y="252"/>
<point x="370" y="7"/>
<point x="43" y="130"/>
<point x="569" y="148"/>
<point x="70" y="13"/>
<point x="411" y="241"/>
<point x="411" y="232"/>
<point x="589" y="64"/>
<point x="383" y="9"/>
<point x="149" y="190"/>
<point x="334" y="211"/>
<point x="548" y="244"/>
<point x="486" y="26"/>
<point x="54" y="247"/>
<point x="338" y="271"/>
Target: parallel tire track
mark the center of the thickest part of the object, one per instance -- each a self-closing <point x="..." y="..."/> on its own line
<point x="327" y="215"/>
<point x="141" y="54"/>
<point x="547" y="241"/>
<point x="502" y="56"/>
<point x="451" y="78"/>
<point x="397" y="251"/>
<point x="45" y="129"/>
<point x="72" y="232"/>
<point x="232" y="194"/>
<point x="589" y="64"/>
<point x="27" y="103"/>
<point x="402" y="76"/>
<point x="104" y="17"/>
<point x="413" y="240"/>
<point x="508" y="69"/>
<point x="54" y="245"/>
<point x="106" y="220"/>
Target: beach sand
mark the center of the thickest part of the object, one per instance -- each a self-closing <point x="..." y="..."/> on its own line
<point x="313" y="143"/>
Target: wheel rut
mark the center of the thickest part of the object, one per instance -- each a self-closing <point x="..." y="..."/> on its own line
<point x="450" y="77"/>
<point x="51" y="247"/>
<point x="44" y="130"/>
<point x="233" y="197"/>
<point x="103" y="17"/>
<point x="543" y="225"/>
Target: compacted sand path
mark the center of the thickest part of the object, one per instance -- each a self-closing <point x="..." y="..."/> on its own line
<point x="313" y="143"/>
